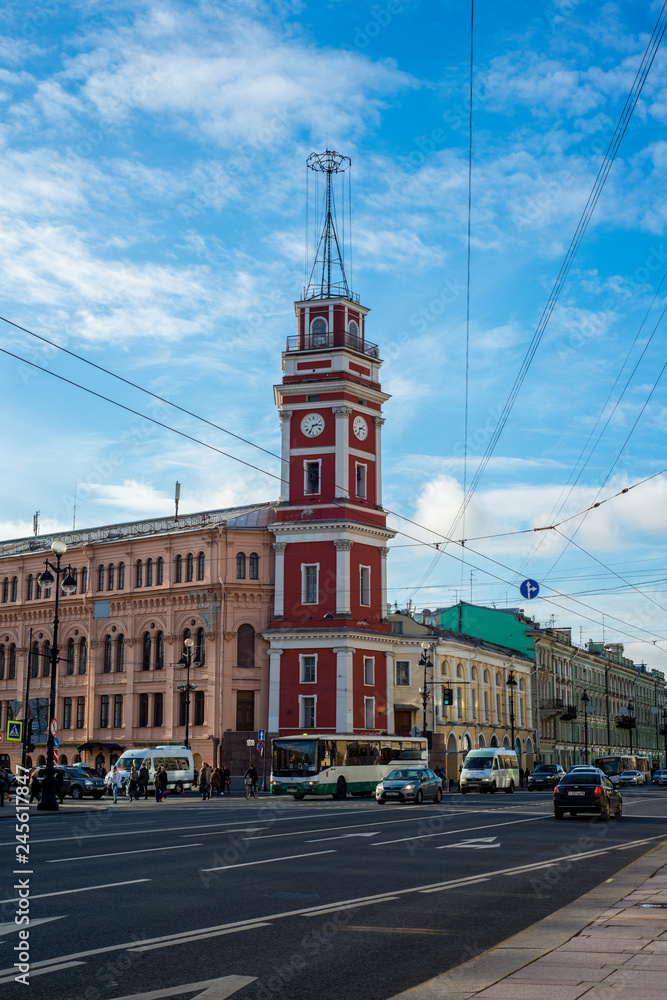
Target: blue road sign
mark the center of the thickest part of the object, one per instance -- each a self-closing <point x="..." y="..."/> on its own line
<point x="261" y="735"/>
<point x="529" y="589"/>
<point x="14" y="730"/>
<point x="56" y="741"/>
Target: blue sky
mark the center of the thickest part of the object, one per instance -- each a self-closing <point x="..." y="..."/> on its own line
<point x="152" y="206"/>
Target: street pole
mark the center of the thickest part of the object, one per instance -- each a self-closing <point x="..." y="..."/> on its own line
<point x="27" y="721"/>
<point x="511" y="684"/>
<point x="186" y="661"/>
<point x="585" y="699"/>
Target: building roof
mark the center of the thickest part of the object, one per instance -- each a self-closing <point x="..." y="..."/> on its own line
<point x="238" y="518"/>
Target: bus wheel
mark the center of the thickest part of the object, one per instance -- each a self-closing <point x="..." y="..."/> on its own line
<point x="298" y="797"/>
<point x="178" y="788"/>
<point x="510" y="788"/>
<point x="492" y="789"/>
<point x="341" y="789"/>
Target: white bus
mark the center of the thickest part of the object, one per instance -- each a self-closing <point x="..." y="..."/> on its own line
<point x="489" y="770"/>
<point x="178" y="762"/>
<point x="338" y="765"/>
<point x="614" y="764"/>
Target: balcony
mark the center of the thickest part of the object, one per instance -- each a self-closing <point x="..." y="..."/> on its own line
<point x="325" y="341"/>
<point x="569" y="713"/>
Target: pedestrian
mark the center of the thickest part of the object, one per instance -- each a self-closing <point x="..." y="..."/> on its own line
<point x="5" y="783"/>
<point x="133" y="784"/>
<point x="103" y="771"/>
<point x="114" y="781"/>
<point x="521" y="777"/>
<point x="195" y="780"/>
<point x="227" y="780"/>
<point x="143" y="781"/>
<point x="205" y="782"/>
<point x="216" y="781"/>
<point x="161" y="782"/>
<point x="526" y="775"/>
<point x="60" y="785"/>
<point x="35" y="788"/>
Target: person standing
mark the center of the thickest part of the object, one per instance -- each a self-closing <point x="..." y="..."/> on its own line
<point x="35" y="788"/>
<point x="60" y="785"/>
<point x="5" y="782"/>
<point x="133" y="784"/>
<point x="103" y="771"/>
<point x="216" y="780"/>
<point x="161" y="783"/>
<point x="205" y="782"/>
<point x="142" y="785"/>
<point x="227" y="780"/>
<point x="115" y="780"/>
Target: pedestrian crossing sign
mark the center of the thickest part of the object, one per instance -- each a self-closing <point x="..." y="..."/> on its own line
<point x="14" y="730"/>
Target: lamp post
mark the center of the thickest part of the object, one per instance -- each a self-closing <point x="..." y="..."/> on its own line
<point x="631" y="720"/>
<point x="585" y="700"/>
<point x="49" y="800"/>
<point x="511" y="684"/>
<point x="663" y="730"/>
<point x="427" y="663"/>
<point x="186" y="661"/>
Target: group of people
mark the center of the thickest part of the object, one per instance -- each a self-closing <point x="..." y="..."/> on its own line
<point x="213" y="782"/>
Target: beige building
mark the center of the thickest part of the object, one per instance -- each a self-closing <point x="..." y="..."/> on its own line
<point x="142" y="588"/>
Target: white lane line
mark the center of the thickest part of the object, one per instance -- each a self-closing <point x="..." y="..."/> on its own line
<point x="267" y="861"/>
<point x="467" y="829"/>
<point x="87" y="888"/>
<point x="343" y="836"/>
<point x="414" y="818"/>
<point x="116" y="854"/>
<point x="199" y="937"/>
<point x="42" y="972"/>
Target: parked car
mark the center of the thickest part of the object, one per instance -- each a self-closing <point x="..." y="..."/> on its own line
<point x="656" y="777"/>
<point x="587" y="792"/>
<point x="631" y="778"/>
<point x="76" y="783"/>
<point x="545" y="776"/>
<point x="409" y="784"/>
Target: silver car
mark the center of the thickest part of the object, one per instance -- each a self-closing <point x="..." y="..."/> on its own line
<point x="409" y="784"/>
<point x="631" y="778"/>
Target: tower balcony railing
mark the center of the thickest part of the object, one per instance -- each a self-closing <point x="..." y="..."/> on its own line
<point x="322" y="341"/>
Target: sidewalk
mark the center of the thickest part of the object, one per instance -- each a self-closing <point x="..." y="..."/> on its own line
<point x="611" y="944"/>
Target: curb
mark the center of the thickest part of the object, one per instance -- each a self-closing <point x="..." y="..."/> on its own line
<point x="485" y="970"/>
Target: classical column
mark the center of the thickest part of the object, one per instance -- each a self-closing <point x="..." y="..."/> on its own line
<point x="343" y="547"/>
<point x="344" y="689"/>
<point x="391" y="675"/>
<point x="279" y="590"/>
<point x="384" y="551"/>
<point x="274" y="689"/>
<point x="285" y="417"/>
<point x="342" y="451"/>
<point x="378" y="460"/>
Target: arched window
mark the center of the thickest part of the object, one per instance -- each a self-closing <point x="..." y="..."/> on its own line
<point x="200" y="647"/>
<point x="486" y="676"/>
<point x="34" y="665"/>
<point x="107" y="654"/>
<point x="100" y="577"/>
<point x="473" y="675"/>
<point x="149" y="572"/>
<point x="99" y="761"/>
<point x="240" y="566"/>
<point x="179" y="569"/>
<point x="121" y="576"/>
<point x="5" y="590"/>
<point x="459" y="670"/>
<point x="15" y="587"/>
<point x="70" y="656"/>
<point x="498" y="680"/>
<point x="201" y="566"/>
<point x="11" y="673"/>
<point x="146" y="652"/>
<point x="254" y="566"/>
<point x="2" y="662"/>
<point x="352" y="328"/>
<point x="83" y="656"/>
<point x="160" y="571"/>
<point x="38" y="587"/>
<point x="159" y="651"/>
<point x="140" y="573"/>
<point x="111" y="573"/>
<point x="120" y="654"/>
<point x="318" y="330"/>
<point x="84" y="581"/>
<point x="189" y="567"/>
<point x="245" y="646"/>
<point x="46" y="662"/>
<point x="75" y="578"/>
<point x="29" y="587"/>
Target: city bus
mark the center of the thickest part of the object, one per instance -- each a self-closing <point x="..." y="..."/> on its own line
<point x="338" y="765"/>
<point x="614" y="764"/>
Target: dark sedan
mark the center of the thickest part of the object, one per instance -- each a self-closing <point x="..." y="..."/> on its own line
<point x="588" y="793"/>
<point x="545" y="776"/>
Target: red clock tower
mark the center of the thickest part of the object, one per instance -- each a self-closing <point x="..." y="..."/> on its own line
<point x="331" y="653"/>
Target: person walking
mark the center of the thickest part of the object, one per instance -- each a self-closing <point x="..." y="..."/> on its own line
<point x="133" y="784"/>
<point x="5" y="783"/>
<point x="216" y="781"/>
<point x="161" y="783"/>
<point x="35" y="788"/>
<point x="60" y="785"/>
<point x="103" y="771"/>
<point x="205" y="782"/>
<point x="142" y="785"/>
<point x="226" y="780"/>
<point x="115" y="780"/>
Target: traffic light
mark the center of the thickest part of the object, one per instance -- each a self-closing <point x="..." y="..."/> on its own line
<point x="447" y="696"/>
<point x="30" y="748"/>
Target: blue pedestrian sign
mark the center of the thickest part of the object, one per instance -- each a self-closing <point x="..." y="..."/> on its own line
<point x="14" y="730"/>
<point x="529" y="589"/>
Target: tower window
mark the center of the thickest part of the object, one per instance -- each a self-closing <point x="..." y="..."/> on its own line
<point x="312" y="477"/>
<point x="307" y="711"/>
<point x="353" y="328"/>
<point x="308" y="669"/>
<point x="361" y="479"/>
<point x="240" y="566"/>
<point x="254" y="566"/>
<point x="309" y="583"/>
<point x="369" y="670"/>
<point x="318" y="332"/>
<point x="365" y="585"/>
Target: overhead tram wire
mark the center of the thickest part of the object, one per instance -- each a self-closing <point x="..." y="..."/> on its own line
<point x="467" y="351"/>
<point x="582" y="226"/>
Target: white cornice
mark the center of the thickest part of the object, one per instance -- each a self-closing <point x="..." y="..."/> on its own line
<point x="328" y="531"/>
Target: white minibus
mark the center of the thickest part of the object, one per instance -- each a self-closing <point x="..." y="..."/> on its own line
<point x="176" y="759"/>
<point x="489" y="770"/>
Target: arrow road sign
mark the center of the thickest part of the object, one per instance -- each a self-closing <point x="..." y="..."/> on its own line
<point x="477" y="843"/>
<point x="529" y="589"/>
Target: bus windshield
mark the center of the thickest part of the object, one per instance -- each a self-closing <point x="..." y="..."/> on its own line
<point x="294" y="757"/>
<point x="478" y="763"/>
<point x="127" y="760"/>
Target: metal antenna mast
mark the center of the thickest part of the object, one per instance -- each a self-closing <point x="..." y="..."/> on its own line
<point x="327" y="277"/>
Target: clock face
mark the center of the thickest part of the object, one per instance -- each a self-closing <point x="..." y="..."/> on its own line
<point x="312" y="424"/>
<point x="360" y="428"/>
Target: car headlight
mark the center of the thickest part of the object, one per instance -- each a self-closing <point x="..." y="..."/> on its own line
<point x="409" y="788"/>
<point x="88" y="784"/>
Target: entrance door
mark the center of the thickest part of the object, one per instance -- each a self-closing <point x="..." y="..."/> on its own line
<point x="245" y="711"/>
<point x="402" y="722"/>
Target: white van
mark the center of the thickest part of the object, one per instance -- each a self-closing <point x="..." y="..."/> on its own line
<point x="490" y="769"/>
<point x="176" y="759"/>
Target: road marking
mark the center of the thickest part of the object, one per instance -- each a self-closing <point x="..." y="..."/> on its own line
<point x="343" y="836"/>
<point x="416" y="817"/>
<point x="477" y="843"/>
<point x="214" y="989"/>
<point x="116" y="854"/>
<point x="87" y="888"/>
<point x="312" y="911"/>
<point x="42" y="972"/>
<point x="12" y="927"/>
<point x="394" y="930"/>
<point x="199" y="937"/>
<point x="450" y="833"/>
<point x="267" y="861"/>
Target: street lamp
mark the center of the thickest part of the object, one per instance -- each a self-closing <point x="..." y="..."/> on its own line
<point x="585" y="700"/>
<point x="511" y="684"/>
<point x="49" y="800"/>
<point x="663" y="731"/>
<point x="631" y="721"/>
<point x="186" y="661"/>
<point x="427" y="664"/>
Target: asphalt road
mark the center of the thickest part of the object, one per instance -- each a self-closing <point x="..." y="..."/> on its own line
<point x="294" y="900"/>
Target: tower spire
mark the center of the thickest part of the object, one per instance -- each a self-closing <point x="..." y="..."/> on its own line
<point x="327" y="276"/>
